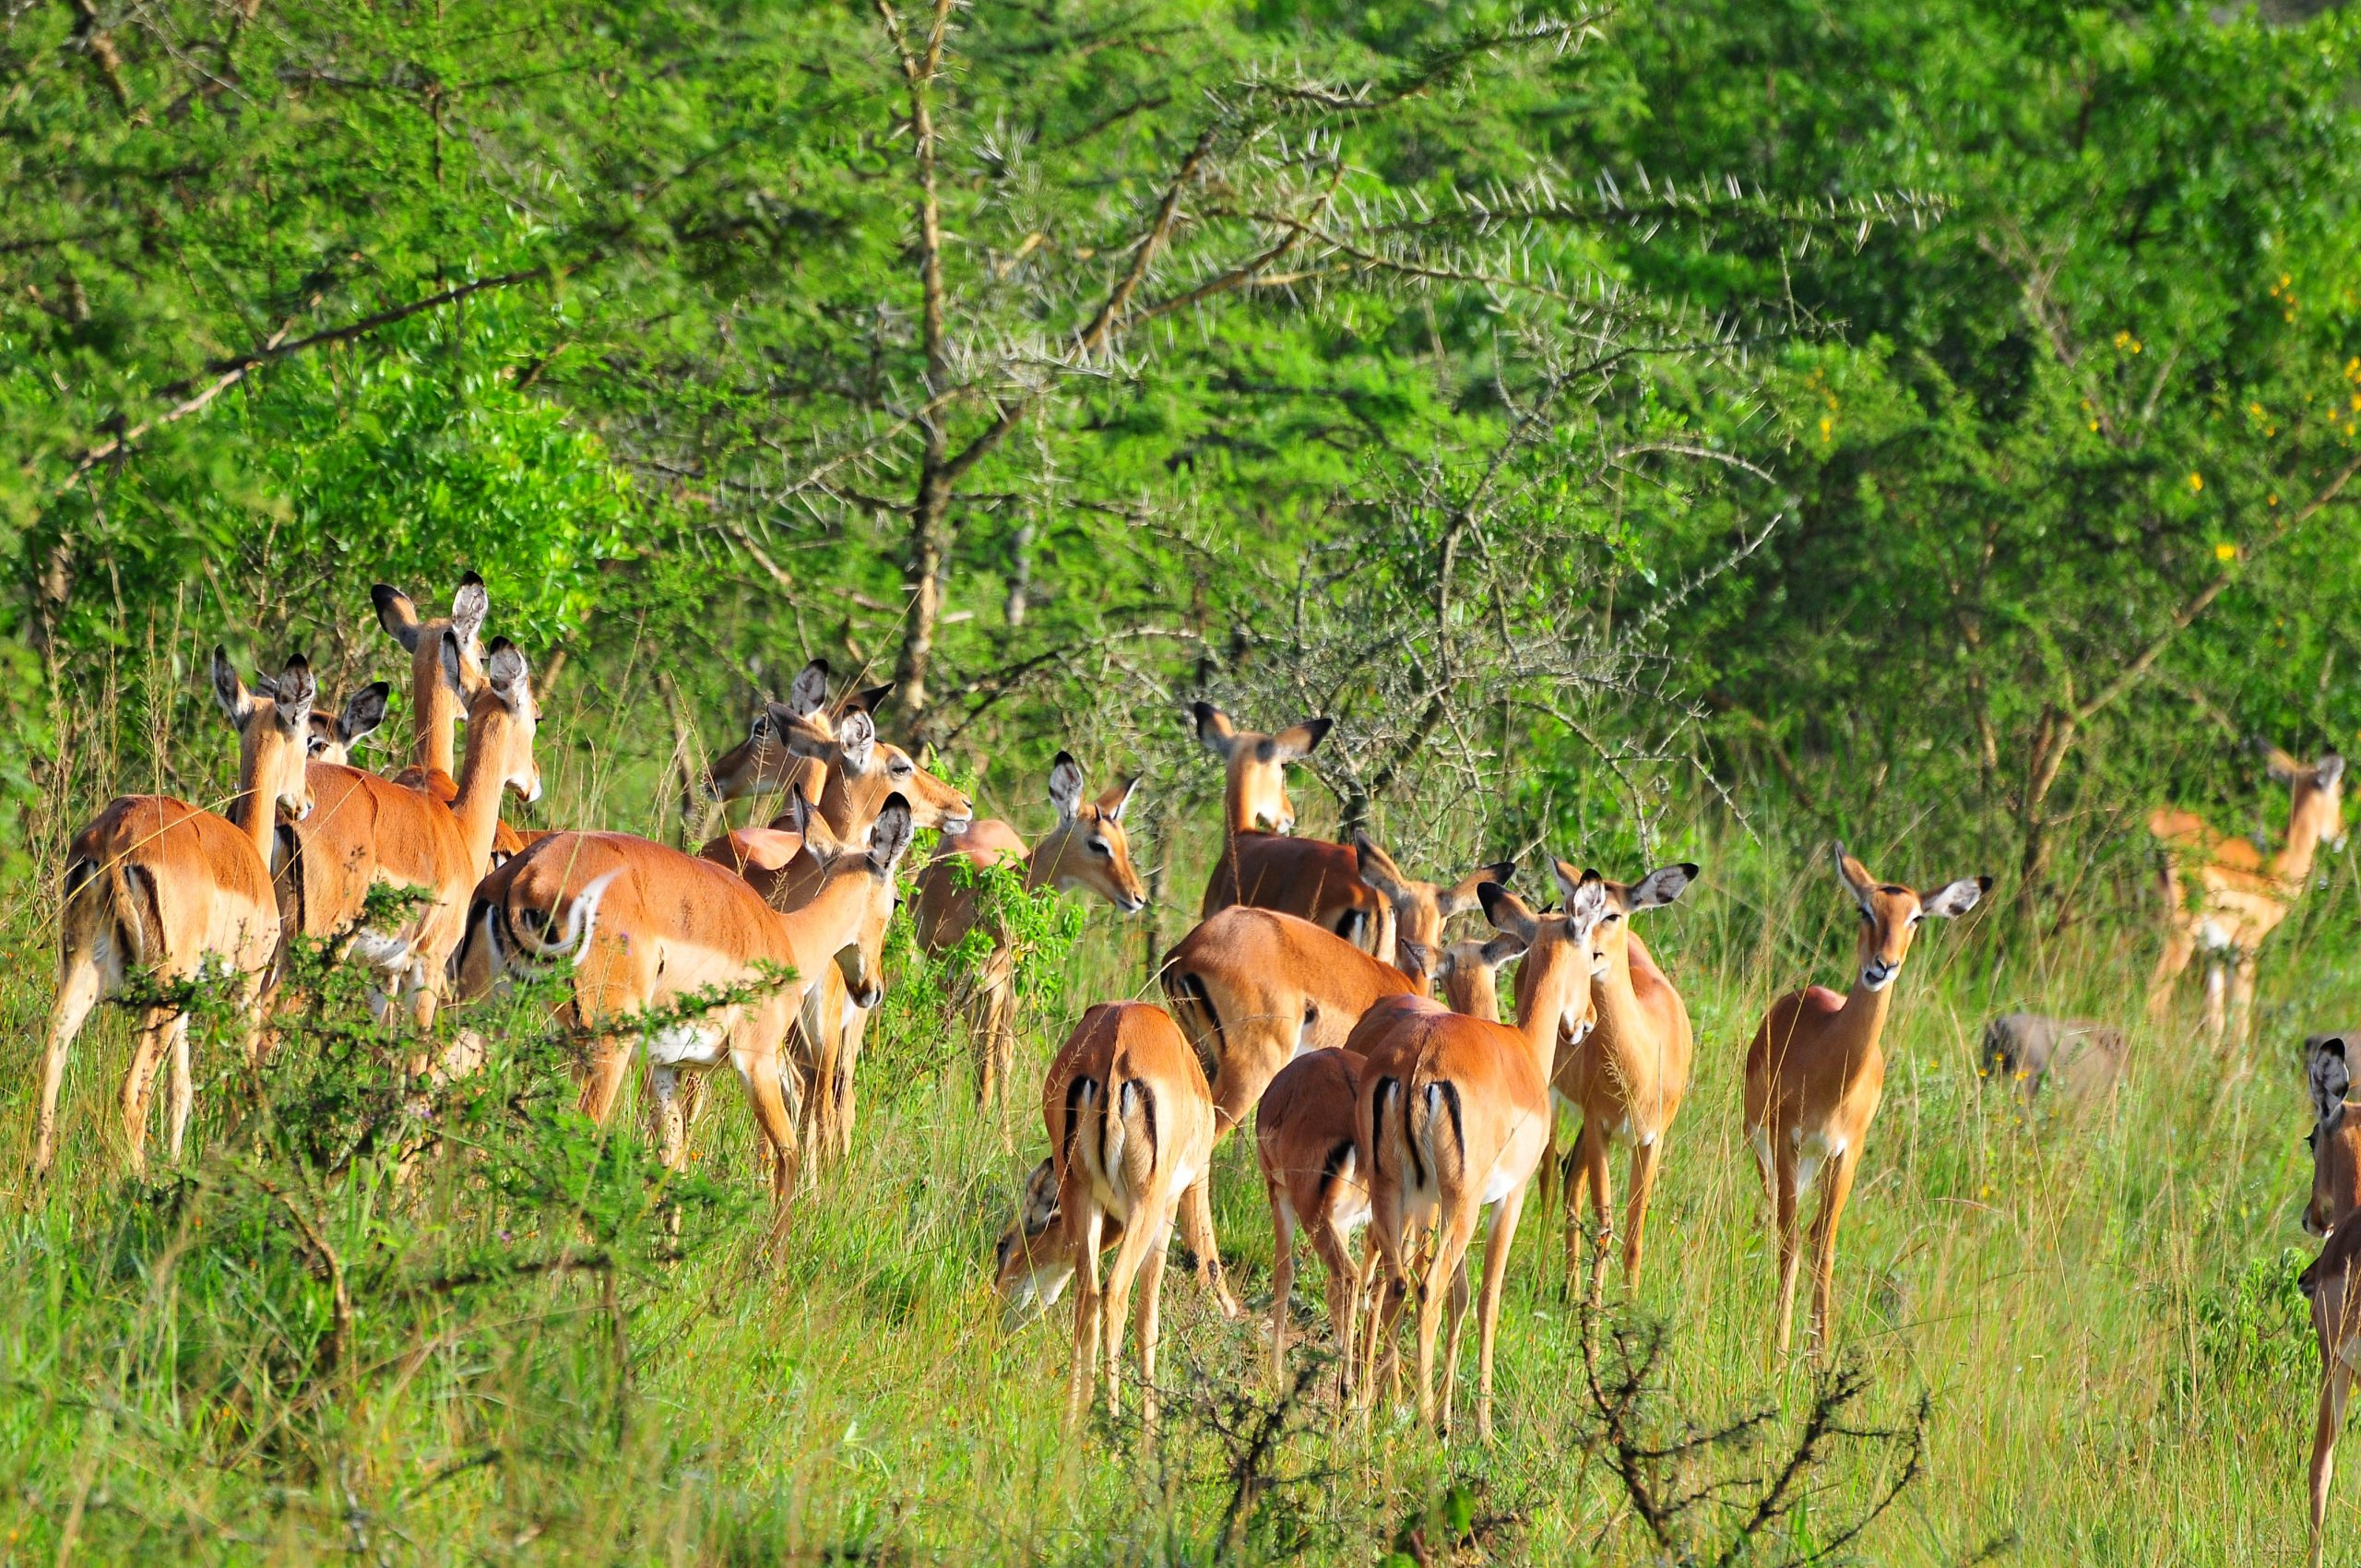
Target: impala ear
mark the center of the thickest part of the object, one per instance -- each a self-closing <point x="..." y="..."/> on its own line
<point x="1116" y="798"/>
<point x="2277" y="764"/>
<point x="295" y="690"/>
<point x="2330" y="1075"/>
<point x="1460" y="897"/>
<point x="1586" y="905"/>
<point x="1502" y="948"/>
<point x="1508" y="914"/>
<point x="363" y="712"/>
<point x="799" y="810"/>
<point x="890" y="835"/>
<point x="857" y="740"/>
<point x="396" y="614"/>
<point x="1955" y="899"/>
<point x="1414" y="960"/>
<point x="868" y="699"/>
<point x="1295" y="742"/>
<point x="469" y="605"/>
<point x="1066" y="787"/>
<point x="506" y="670"/>
<point x="1377" y="868"/>
<point x="1662" y="885"/>
<point x="1214" y="732"/>
<point x="2329" y="769"/>
<point x="809" y="691"/>
<point x="237" y="703"/>
<point x="1855" y="878"/>
<point x="1037" y="1209"/>
<point x="1571" y="880"/>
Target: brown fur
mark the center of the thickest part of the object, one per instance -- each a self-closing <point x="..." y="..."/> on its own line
<point x="2329" y="1283"/>
<point x="1305" y="1144"/>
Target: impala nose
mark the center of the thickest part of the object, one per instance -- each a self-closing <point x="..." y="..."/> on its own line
<point x="1877" y="974"/>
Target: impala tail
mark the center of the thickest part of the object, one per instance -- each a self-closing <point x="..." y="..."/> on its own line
<point x="1192" y="1003"/>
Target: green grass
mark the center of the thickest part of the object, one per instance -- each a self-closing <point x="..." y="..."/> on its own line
<point x="2098" y="1301"/>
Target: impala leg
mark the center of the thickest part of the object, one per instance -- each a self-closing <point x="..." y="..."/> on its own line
<point x="1385" y="1249"/>
<point x="1138" y="1239"/>
<point x="1487" y="1311"/>
<point x="183" y="1087"/>
<point x="1282" y="1281"/>
<point x="764" y="1088"/>
<point x="1647" y="1160"/>
<point x="1450" y="1259"/>
<point x="2216" y="1008"/>
<point x="155" y="1033"/>
<point x="605" y="1081"/>
<point x="78" y="991"/>
<point x="1572" y="1175"/>
<point x="1151" y="1288"/>
<point x="1197" y="1230"/>
<point x="1087" y="1312"/>
<point x="2180" y="945"/>
<point x="664" y="1116"/>
<point x="1823" y="1246"/>
<point x="1602" y="1203"/>
<point x="2242" y="982"/>
<point x="1784" y="1202"/>
<point x="1344" y="1298"/>
<point x="1460" y="1298"/>
<point x="1003" y="1015"/>
<point x="847" y="1069"/>
<point x="2336" y="1385"/>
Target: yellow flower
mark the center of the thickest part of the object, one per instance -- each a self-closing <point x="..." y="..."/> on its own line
<point x="1825" y="425"/>
<point x="2196" y="480"/>
<point x="2274" y="501"/>
<point x="2225" y="551"/>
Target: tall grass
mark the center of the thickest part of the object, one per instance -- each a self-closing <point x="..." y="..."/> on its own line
<point x="2096" y="1299"/>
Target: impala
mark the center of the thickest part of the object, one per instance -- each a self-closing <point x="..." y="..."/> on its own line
<point x="332" y="736"/>
<point x="2223" y="898"/>
<point x="647" y="926"/>
<point x="1814" y="1073"/>
<point x="156" y="885"/>
<point x="1261" y="866"/>
<point x="1627" y="1078"/>
<point x="366" y="831"/>
<point x="1130" y="1127"/>
<point x="1255" y="988"/>
<point x="439" y="689"/>
<point x="1089" y="848"/>
<point x="2331" y="1281"/>
<point x="1454" y="1114"/>
<point x="1304" y="1142"/>
<point x="1467" y="973"/>
<point x="1419" y="910"/>
<point x="766" y="761"/>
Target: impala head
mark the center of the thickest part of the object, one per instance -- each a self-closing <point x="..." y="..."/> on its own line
<point x="502" y="715"/>
<point x="1421" y="907"/>
<point x="1558" y="959"/>
<point x="273" y="723"/>
<point x="333" y="735"/>
<point x="1610" y="939"/>
<point x="1089" y="847"/>
<point x="2315" y="793"/>
<point x="1257" y="790"/>
<point x="422" y="640"/>
<point x="1466" y="975"/>
<point x="863" y="771"/>
<point x="878" y="862"/>
<point x="1030" y="1266"/>
<point x="783" y="735"/>
<point x="2336" y="1139"/>
<point x="1890" y="915"/>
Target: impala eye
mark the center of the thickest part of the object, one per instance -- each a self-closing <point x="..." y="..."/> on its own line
<point x="901" y="767"/>
<point x="1098" y="846"/>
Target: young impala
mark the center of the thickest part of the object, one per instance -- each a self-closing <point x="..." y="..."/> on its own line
<point x="2330" y="1282"/>
<point x="1814" y="1074"/>
<point x="1312" y="1176"/>
<point x="1131" y="1129"/>
<point x="2222" y="897"/>
<point x="156" y="885"/>
<point x="1255" y="988"/>
<point x="1454" y="1115"/>
<point x="1089" y="848"/>
<point x="1627" y="1078"/>
<point x="1260" y="864"/>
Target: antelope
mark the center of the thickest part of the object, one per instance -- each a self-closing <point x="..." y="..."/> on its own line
<point x="1454" y="1114"/>
<point x="1627" y="1079"/>
<point x="1419" y="910"/>
<point x="2329" y="1283"/>
<point x="647" y="926"/>
<point x="765" y="762"/>
<point x="1255" y="988"/>
<point x="1131" y="1129"/>
<point x="862" y="772"/>
<point x="1261" y="865"/>
<point x="439" y="690"/>
<point x="159" y="886"/>
<point x="369" y="831"/>
<point x="1089" y="848"/>
<point x="1304" y="1142"/>
<point x="330" y="737"/>
<point x="2223" y="898"/>
<point x="1814" y="1074"/>
<point x="1468" y="973"/>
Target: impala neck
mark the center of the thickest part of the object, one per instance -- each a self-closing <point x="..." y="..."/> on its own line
<point x="1861" y="1020"/>
<point x="1618" y="1005"/>
<point x="434" y="716"/>
<point x="254" y="813"/>
<point x="477" y="806"/>
<point x="1539" y="1009"/>
<point x="832" y="917"/>
<point x="2306" y="819"/>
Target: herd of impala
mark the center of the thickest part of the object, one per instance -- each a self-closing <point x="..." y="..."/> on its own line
<point x="1305" y="997"/>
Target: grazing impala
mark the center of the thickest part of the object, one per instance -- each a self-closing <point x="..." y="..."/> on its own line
<point x="1454" y="1115"/>
<point x="155" y="885"/>
<point x="1259" y="865"/>
<point x="2222" y="897"/>
<point x="366" y="831"/>
<point x="2333" y="1281"/>
<point x="1089" y="848"/>
<point x="1814" y="1074"/>
<point x="1255" y="988"/>
<point x="647" y="926"/>
<point x="1627" y="1079"/>
<point x="439" y="690"/>
<point x="1131" y="1131"/>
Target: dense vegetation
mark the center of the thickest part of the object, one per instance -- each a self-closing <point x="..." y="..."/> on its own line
<point x="1707" y="428"/>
